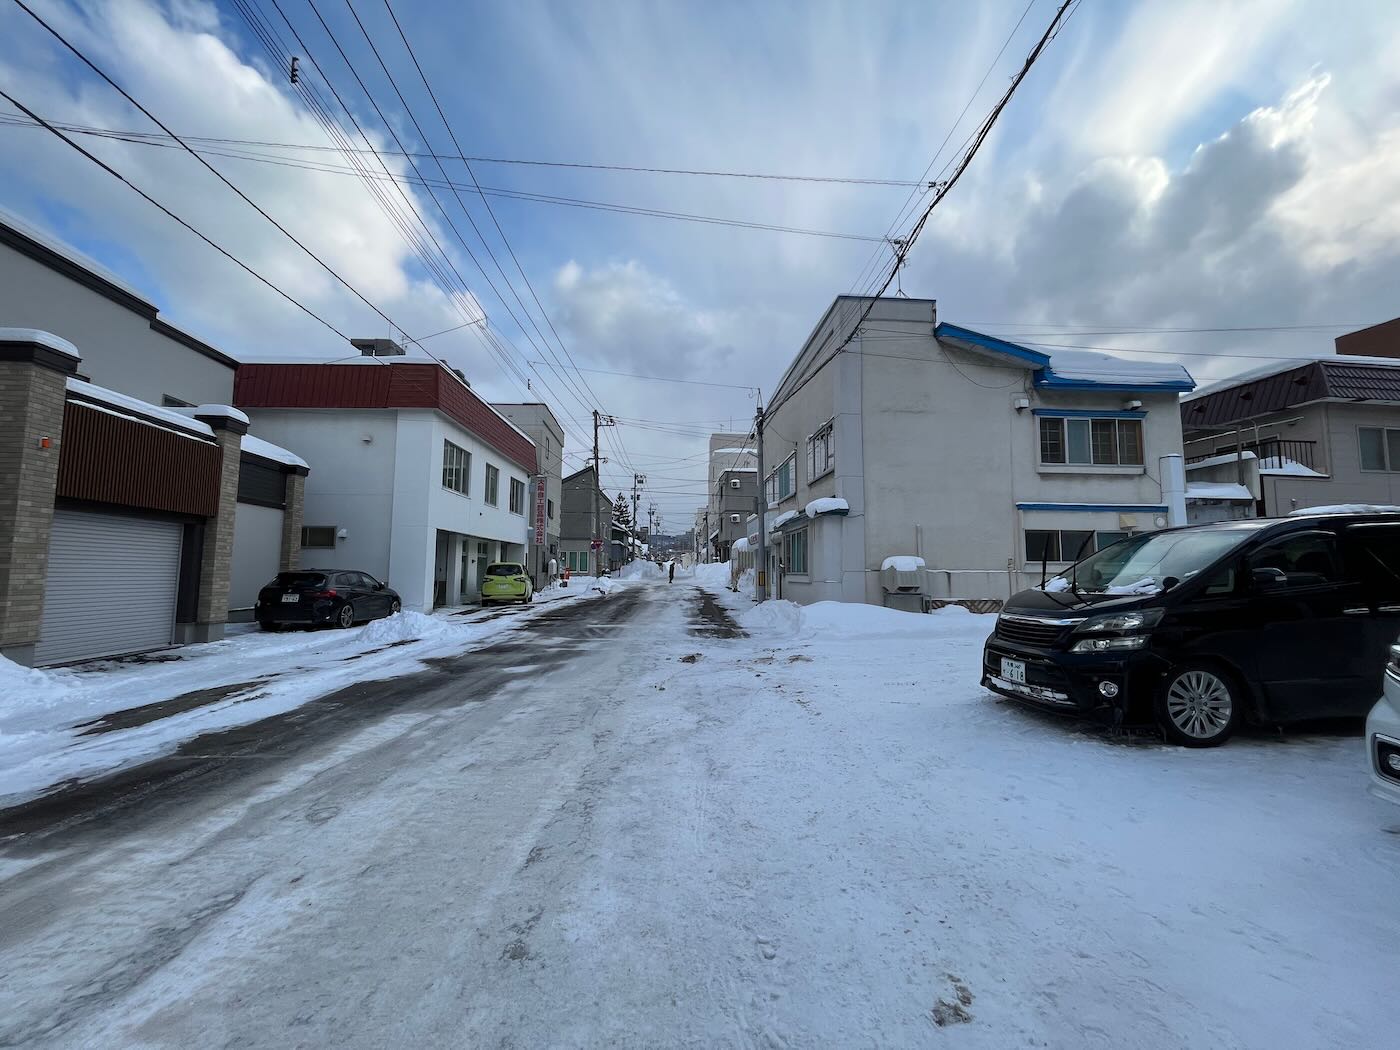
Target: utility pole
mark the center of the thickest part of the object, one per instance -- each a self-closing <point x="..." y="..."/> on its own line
<point x="760" y="575"/>
<point x="637" y="481"/>
<point x="599" y="420"/>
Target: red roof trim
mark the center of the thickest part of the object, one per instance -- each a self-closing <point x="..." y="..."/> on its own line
<point x="398" y="385"/>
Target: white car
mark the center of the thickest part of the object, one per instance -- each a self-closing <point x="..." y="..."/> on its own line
<point x="1383" y="735"/>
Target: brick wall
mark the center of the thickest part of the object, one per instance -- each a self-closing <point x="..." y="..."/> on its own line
<point x="293" y="514"/>
<point x="31" y="408"/>
<point x="218" y="536"/>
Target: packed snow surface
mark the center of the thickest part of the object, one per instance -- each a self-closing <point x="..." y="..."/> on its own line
<point x="823" y="834"/>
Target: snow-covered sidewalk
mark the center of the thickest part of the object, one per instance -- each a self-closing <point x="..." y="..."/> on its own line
<point x="60" y="725"/>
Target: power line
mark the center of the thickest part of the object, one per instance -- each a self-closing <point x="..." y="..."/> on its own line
<point x="215" y="171"/>
<point x="88" y="129"/>
<point x="151" y="200"/>
<point x="944" y="188"/>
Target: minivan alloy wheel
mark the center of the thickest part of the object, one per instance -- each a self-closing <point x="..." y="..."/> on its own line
<point x="1199" y="704"/>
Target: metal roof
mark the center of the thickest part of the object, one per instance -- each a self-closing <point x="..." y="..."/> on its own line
<point x="1311" y="381"/>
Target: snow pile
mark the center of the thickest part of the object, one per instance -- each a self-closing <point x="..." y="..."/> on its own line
<point x="1104" y="368"/>
<point x="605" y="585"/>
<point x="26" y="686"/>
<point x="1346" y="508"/>
<point x="1282" y="465"/>
<point x="779" y="618"/>
<point x="827" y="505"/>
<point x="1056" y="584"/>
<point x="712" y="575"/>
<point x="406" y="626"/>
<point x="783" y="518"/>
<point x="746" y="582"/>
<point x="641" y="570"/>
<point x="1228" y="490"/>
<point x="741" y="546"/>
<point x="902" y="563"/>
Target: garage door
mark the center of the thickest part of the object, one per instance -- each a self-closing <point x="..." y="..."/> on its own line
<point x="111" y="586"/>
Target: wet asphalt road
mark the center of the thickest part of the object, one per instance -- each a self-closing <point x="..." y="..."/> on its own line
<point x="426" y="792"/>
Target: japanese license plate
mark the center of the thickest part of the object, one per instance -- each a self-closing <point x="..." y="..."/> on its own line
<point x="1013" y="671"/>
<point x="294" y="598"/>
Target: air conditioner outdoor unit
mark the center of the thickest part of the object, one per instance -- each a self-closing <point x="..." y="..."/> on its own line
<point x="903" y="575"/>
<point x="735" y="518"/>
<point x="733" y="483"/>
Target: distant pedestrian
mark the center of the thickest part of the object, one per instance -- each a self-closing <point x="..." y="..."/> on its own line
<point x="671" y="573"/>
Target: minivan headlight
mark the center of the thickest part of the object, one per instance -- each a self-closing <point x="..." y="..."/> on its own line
<point x="1392" y="665"/>
<point x="1109" y="645"/>
<point x="1125" y="621"/>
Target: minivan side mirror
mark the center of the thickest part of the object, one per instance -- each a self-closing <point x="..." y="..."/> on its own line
<point x="378" y="586"/>
<point x="1266" y="578"/>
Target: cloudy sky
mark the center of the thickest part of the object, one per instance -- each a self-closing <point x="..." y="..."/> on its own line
<point x="1167" y="165"/>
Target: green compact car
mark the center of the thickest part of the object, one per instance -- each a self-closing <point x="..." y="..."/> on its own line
<point x="506" y="582"/>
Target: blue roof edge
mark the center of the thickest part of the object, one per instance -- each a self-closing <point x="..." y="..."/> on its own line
<point x="992" y="343"/>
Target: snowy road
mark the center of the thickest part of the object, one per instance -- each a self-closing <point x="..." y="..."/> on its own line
<point x="631" y="826"/>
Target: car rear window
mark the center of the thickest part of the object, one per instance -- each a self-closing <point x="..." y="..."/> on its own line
<point x="505" y="568"/>
<point x="300" y="581"/>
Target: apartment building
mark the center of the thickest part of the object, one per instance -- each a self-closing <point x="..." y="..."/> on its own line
<point x="899" y="435"/>
<point x="544" y="429"/>
<point x="727" y="452"/>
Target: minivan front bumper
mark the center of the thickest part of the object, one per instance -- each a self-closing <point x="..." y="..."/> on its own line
<point x="1069" y="683"/>
<point x="1383" y="741"/>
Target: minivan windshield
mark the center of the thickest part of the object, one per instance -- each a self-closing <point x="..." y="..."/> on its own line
<point x="506" y="568"/>
<point x="1139" y="564"/>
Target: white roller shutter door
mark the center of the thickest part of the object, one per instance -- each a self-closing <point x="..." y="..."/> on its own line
<point x="111" y="586"/>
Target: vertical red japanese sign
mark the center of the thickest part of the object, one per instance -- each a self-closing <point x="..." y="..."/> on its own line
<point x="540" y="516"/>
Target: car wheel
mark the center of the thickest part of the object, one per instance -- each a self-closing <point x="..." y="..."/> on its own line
<point x="1199" y="705"/>
<point x="345" y="616"/>
<point x="395" y="606"/>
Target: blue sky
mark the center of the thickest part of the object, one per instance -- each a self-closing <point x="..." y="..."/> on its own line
<point x="1166" y="164"/>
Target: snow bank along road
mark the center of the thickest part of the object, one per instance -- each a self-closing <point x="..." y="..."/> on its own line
<point x="634" y="825"/>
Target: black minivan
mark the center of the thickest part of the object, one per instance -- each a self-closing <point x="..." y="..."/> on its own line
<point x="1197" y="629"/>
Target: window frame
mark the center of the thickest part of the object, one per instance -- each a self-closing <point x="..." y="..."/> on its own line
<point x="1061" y="556"/>
<point x="517" y="496"/>
<point x="308" y="530"/>
<point x="1388" y="466"/>
<point x="491" y="489"/>
<point x="456" y="468"/>
<point x="796" y="540"/>
<point x="1069" y="432"/>
<point x="821" y="451"/>
<point x="771" y="490"/>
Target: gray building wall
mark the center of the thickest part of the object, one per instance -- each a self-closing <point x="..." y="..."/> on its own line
<point x="733" y="501"/>
<point x="121" y="349"/>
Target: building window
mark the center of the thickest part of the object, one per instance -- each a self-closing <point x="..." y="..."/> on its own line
<point x="493" y="485"/>
<point x="1091" y="442"/>
<point x="517" y="496"/>
<point x="456" y="468"/>
<point x="821" y="452"/>
<point x="174" y="402"/>
<point x="318" y="536"/>
<point x="1067" y="544"/>
<point x="782" y="481"/>
<point x="549" y="507"/>
<point x="1380" y="448"/>
<point x="795" y="552"/>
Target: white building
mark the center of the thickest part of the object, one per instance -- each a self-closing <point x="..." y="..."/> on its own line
<point x="418" y="481"/>
<point x="985" y="458"/>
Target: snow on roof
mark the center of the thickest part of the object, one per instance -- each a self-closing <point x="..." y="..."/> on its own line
<point x="1227" y="490"/>
<point x="1220" y="460"/>
<point x="1083" y="366"/>
<point x="730" y="451"/>
<point x="34" y="335"/>
<point x="63" y="248"/>
<point x="903" y="563"/>
<point x="220" y="410"/>
<point x="740" y="545"/>
<point x="1287" y="365"/>
<point x="256" y="446"/>
<point x="827" y="505"/>
<point x="783" y="519"/>
<point x="141" y="408"/>
<point x="741" y="470"/>
<point x="1345" y="508"/>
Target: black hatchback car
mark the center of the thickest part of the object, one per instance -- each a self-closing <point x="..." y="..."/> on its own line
<point x="1201" y="628"/>
<point x="320" y="597"/>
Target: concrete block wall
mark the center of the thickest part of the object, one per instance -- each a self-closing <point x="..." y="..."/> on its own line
<point x="217" y="559"/>
<point x="293" y="516"/>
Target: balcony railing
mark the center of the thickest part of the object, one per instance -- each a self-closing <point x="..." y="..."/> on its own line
<point x="1272" y="452"/>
